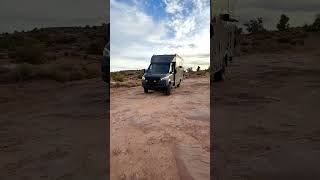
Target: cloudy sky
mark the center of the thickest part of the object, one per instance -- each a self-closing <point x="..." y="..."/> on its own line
<point x="27" y="14"/>
<point x="299" y="11"/>
<point x="142" y="28"/>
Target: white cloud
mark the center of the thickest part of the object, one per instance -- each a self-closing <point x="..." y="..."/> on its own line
<point x="173" y="6"/>
<point x="135" y="36"/>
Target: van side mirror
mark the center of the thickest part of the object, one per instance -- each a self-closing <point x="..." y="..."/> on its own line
<point x="144" y="71"/>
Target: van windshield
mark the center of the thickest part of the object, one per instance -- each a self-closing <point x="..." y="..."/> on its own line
<point x="159" y="68"/>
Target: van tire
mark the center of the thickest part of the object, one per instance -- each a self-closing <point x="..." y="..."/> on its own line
<point x="219" y="76"/>
<point x="179" y="84"/>
<point x="226" y="61"/>
<point x="145" y="90"/>
<point x="168" y="90"/>
<point x="104" y="77"/>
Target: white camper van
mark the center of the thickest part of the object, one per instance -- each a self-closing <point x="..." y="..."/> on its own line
<point x="224" y="39"/>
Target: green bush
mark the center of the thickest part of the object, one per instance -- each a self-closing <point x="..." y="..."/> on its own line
<point x="314" y="27"/>
<point x="283" y="24"/>
<point x="255" y="25"/>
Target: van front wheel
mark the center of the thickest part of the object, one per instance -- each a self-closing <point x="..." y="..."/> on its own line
<point x="179" y="84"/>
<point x="168" y="90"/>
<point x="145" y="90"/>
<point x="219" y="76"/>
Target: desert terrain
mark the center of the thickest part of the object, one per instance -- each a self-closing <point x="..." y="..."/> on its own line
<point x="266" y="115"/>
<point x="51" y="130"/>
<point x="53" y="104"/>
<point x="53" y="113"/>
<point x="154" y="136"/>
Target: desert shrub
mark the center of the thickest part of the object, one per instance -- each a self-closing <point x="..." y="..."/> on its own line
<point x="285" y="46"/>
<point x="3" y="55"/>
<point x="20" y="72"/>
<point x="3" y="70"/>
<point x="300" y="42"/>
<point x="74" y="53"/>
<point x="316" y="24"/>
<point x="256" y="43"/>
<point x="284" y="40"/>
<point x="189" y="69"/>
<point x="26" y="71"/>
<point x="140" y="74"/>
<point x="91" y="71"/>
<point x="66" y="72"/>
<point x="11" y="41"/>
<point x="32" y="53"/>
<point x="57" y="72"/>
<point x="255" y="25"/>
<point x="6" y="42"/>
<point x="314" y="27"/>
<point x="208" y="70"/>
<point x="65" y="39"/>
<point x="117" y="76"/>
<point x="9" y="76"/>
<point x="125" y="84"/>
<point x="244" y="43"/>
<point x="261" y="36"/>
<point x="244" y="49"/>
<point x="41" y="36"/>
<point x="96" y="47"/>
<point x="283" y="24"/>
<point x="50" y="42"/>
<point x="239" y="30"/>
<point x="297" y="42"/>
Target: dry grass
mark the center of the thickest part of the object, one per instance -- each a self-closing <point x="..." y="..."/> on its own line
<point x="132" y="78"/>
<point x="196" y="74"/>
<point x="58" y="72"/>
<point x="272" y="41"/>
<point x="118" y="76"/>
<point x="129" y="78"/>
<point x="125" y="84"/>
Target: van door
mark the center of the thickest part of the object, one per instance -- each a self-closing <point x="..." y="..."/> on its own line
<point x="174" y="71"/>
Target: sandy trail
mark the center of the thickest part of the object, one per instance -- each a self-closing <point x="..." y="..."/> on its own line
<point x="270" y="106"/>
<point x="50" y="130"/>
<point x="154" y="136"/>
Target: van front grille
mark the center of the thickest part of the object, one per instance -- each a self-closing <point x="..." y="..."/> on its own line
<point x="151" y="79"/>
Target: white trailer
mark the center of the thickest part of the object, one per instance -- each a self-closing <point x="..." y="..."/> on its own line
<point x="224" y="39"/>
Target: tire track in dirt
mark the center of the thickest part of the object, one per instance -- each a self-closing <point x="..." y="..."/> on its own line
<point x="162" y="133"/>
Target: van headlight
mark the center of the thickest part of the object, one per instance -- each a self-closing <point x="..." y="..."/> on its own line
<point x="143" y="78"/>
<point x="165" y="78"/>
